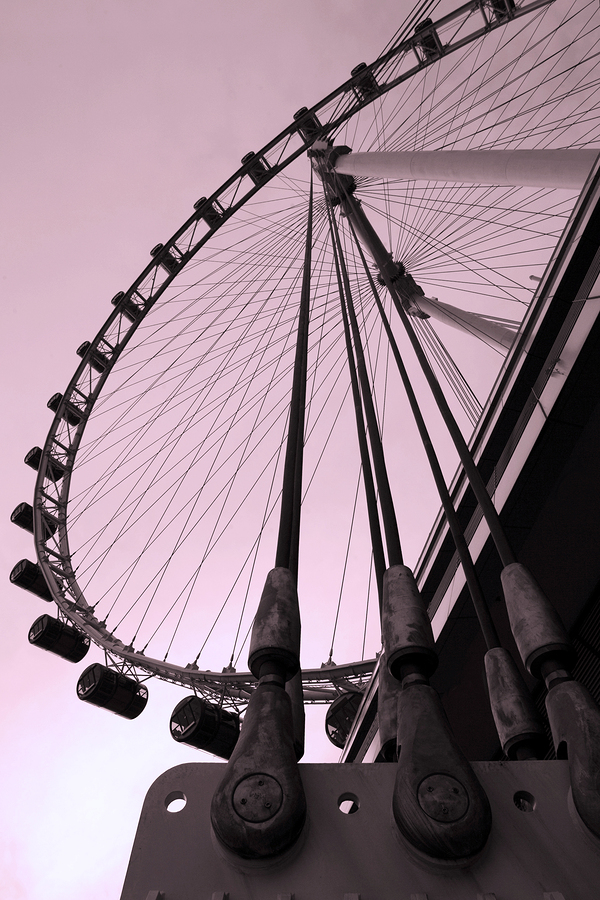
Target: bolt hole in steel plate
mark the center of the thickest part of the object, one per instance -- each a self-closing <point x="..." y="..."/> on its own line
<point x="257" y="797"/>
<point x="524" y="801"/>
<point x="348" y="804"/>
<point x="175" y="801"/>
<point x="443" y="798"/>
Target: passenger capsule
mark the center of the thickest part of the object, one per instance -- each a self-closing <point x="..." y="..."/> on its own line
<point x="97" y="360"/>
<point x="308" y="124"/>
<point x="256" y="167"/>
<point x="33" y="458"/>
<point x="28" y="575"/>
<point x="212" y="215"/>
<point x="364" y="82"/>
<point x="112" y="690"/>
<point x="126" y="306"/>
<point x="340" y="717"/>
<point x="55" y="470"/>
<point x="71" y="414"/>
<point x="59" y="637"/>
<point x="426" y="37"/>
<point x="166" y="258"/>
<point x="22" y="515"/>
<point x="503" y="9"/>
<point x="201" y="724"/>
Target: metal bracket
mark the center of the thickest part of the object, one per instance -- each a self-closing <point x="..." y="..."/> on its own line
<point x="359" y="853"/>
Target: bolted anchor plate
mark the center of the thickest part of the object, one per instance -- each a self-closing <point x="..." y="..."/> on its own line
<point x="257" y="797"/>
<point x="360" y="853"/>
<point x="443" y="798"/>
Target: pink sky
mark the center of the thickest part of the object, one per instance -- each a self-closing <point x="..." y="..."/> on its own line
<point x="116" y="116"/>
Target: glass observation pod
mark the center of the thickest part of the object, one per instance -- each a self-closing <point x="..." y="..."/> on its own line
<point x="212" y="213"/>
<point x="112" y="690"/>
<point x="58" y="637"/>
<point x="257" y="167"/>
<point x="71" y="414"/>
<point x="203" y="725"/>
<point x="54" y="470"/>
<point x="22" y="515"/>
<point x="97" y="360"/>
<point x="28" y="575"/>
<point x="126" y="306"/>
<point x="340" y="717"/>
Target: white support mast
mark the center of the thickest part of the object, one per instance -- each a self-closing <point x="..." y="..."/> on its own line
<point x="532" y="168"/>
<point x="497" y="334"/>
<point x="567" y="169"/>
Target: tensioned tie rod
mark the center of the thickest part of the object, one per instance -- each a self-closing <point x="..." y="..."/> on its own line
<point x="291" y="497"/>
<point x="370" y="493"/>
<point x="486" y="623"/>
<point x="382" y="257"/>
<point x="388" y="513"/>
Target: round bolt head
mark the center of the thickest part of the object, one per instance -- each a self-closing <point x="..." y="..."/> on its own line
<point x="443" y="798"/>
<point x="257" y="798"/>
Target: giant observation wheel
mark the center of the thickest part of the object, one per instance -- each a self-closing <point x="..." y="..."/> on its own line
<point x="159" y="485"/>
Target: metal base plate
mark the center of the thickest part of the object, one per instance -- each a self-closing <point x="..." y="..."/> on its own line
<point x="538" y="849"/>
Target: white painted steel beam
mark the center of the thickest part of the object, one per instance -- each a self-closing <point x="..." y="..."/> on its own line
<point x="532" y="168"/>
<point x="491" y="332"/>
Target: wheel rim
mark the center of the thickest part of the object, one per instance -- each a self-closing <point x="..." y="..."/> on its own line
<point x="250" y="264"/>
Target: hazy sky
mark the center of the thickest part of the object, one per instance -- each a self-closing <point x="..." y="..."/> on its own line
<point x="116" y="116"/>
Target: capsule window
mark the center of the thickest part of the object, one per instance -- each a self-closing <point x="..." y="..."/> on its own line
<point x="126" y="306"/>
<point x="503" y="9"/>
<point x="70" y="413"/>
<point x="203" y="725"/>
<point x="58" y="637"/>
<point x="212" y="213"/>
<point x="340" y="717"/>
<point x="364" y="82"/>
<point x="97" y="360"/>
<point x="28" y="575"/>
<point x="55" y="470"/>
<point x="22" y="515"/>
<point x="256" y="167"/>
<point x="166" y="258"/>
<point x="308" y="124"/>
<point x="33" y="458"/>
<point x="426" y="37"/>
<point x="112" y="690"/>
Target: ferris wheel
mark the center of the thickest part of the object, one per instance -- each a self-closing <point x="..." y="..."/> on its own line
<point x="157" y="510"/>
